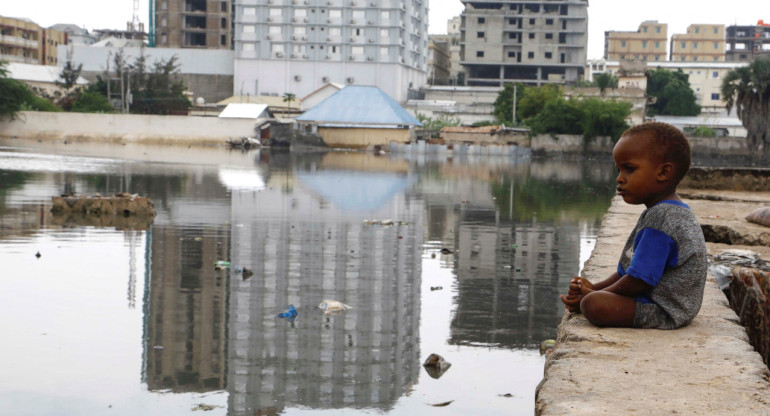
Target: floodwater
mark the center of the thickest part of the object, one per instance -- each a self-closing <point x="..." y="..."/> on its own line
<point x="122" y="317"/>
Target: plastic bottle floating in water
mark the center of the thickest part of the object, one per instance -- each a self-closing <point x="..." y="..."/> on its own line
<point x="221" y="264"/>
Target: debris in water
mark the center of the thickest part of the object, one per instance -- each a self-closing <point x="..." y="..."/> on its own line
<point x="442" y="404"/>
<point x="333" y="306"/>
<point x="506" y="395"/>
<point x="246" y="273"/>
<point x="546" y="345"/>
<point x="436" y="366"/>
<point x="204" y="407"/>
<point x="221" y="264"/>
<point x="290" y="313"/>
<point x="432" y="288"/>
<point x="38" y="255"/>
<point x="446" y="251"/>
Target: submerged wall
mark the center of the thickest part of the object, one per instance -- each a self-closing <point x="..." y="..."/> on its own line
<point x="126" y="128"/>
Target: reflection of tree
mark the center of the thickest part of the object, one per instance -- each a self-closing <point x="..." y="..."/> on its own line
<point x="10" y="180"/>
<point x="550" y="199"/>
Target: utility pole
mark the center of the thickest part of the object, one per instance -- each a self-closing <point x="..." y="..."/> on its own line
<point x="514" y="105"/>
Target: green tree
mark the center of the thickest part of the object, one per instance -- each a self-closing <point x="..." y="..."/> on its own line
<point x="503" y="106"/>
<point x="748" y="90"/>
<point x="672" y="92"/>
<point x="15" y="96"/>
<point x="289" y="98"/>
<point x="69" y="76"/>
<point x="557" y="116"/>
<point x="604" y="81"/>
<point x="533" y="100"/>
<point x="157" y="89"/>
<point x="603" y="118"/>
<point x="438" y="123"/>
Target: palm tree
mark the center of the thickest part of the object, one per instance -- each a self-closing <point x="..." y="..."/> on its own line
<point x="748" y="89"/>
<point x="289" y="98"/>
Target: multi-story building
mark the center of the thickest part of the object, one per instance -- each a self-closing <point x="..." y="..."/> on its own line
<point x="647" y="43"/>
<point x="191" y="24"/>
<point x="76" y="35"/>
<point x="701" y="43"/>
<point x="297" y="46"/>
<point x="705" y="78"/>
<point x="24" y="41"/>
<point x="438" y="60"/>
<point x="519" y="41"/>
<point x="745" y="43"/>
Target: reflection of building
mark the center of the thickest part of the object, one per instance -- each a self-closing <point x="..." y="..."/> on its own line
<point x="186" y="319"/>
<point x="509" y="275"/>
<point x="304" y="249"/>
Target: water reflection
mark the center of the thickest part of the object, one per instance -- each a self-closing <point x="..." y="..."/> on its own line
<point x="519" y="232"/>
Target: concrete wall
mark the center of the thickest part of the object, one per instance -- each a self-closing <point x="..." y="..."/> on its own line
<point x="126" y="128"/>
<point x="357" y="138"/>
<point x="726" y="146"/>
<point x="564" y="143"/>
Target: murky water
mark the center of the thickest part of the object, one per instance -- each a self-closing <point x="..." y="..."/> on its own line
<point x="125" y="319"/>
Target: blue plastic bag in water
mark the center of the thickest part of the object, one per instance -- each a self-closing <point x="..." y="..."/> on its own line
<point x="290" y="313"/>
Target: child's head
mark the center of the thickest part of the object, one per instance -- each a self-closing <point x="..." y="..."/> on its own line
<point x="652" y="158"/>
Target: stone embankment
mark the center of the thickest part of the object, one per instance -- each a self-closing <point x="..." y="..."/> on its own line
<point x="706" y="368"/>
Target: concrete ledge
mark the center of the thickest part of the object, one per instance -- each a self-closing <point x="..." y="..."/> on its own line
<point x="708" y="367"/>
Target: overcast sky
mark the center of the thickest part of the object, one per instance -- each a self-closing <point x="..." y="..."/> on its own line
<point x="603" y="15"/>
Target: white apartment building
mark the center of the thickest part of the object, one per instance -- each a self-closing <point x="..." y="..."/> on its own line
<point x="297" y="46"/>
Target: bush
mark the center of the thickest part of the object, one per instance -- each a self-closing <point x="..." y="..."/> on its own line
<point x="89" y="101"/>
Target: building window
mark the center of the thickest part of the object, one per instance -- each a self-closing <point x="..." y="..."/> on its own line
<point x="251" y="11"/>
<point x="223" y="40"/>
<point x="644" y="29"/>
<point x="716" y="45"/>
<point x="657" y="58"/>
<point x="251" y="28"/>
<point x="716" y="30"/>
<point x="164" y="4"/>
<point x="684" y="44"/>
<point x="531" y="21"/>
<point x="479" y="54"/>
<point x="479" y="34"/>
<point x="695" y="58"/>
<point x="511" y="35"/>
<point x="530" y="55"/>
<point x="247" y="47"/>
<point x="163" y="38"/>
<point x="163" y="22"/>
<point x="549" y="35"/>
<point x="695" y="45"/>
<point x="657" y="44"/>
<point x="511" y="54"/>
<point x="531" y="35"/>
<point x="644" y="44"/>
<point x="482" y="20"/>
<point x="657" y="29"/>
<point x="548" y="55"/>
<point x="697" y="29"/>
<point x="549" y="21"/>
<point x="622" y="44"/>
<point x="224" y="23"/>
<point x="512" y="21"/>
<point x="714" y="96"/>
<point x="223" y="7"/>
<point x="715" y="74"/>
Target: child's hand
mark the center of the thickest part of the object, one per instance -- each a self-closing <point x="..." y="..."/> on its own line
<point x="578" y="288"/>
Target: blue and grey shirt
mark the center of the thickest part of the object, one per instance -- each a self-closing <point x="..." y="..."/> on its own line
<point x="667" y="251"/>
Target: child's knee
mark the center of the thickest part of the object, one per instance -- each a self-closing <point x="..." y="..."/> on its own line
<point x="593" y="307"/>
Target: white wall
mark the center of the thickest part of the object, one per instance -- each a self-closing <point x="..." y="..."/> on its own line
<point x="277" y="77"/>
<point x="191" y="61"/>
<point x="126" y="127"/>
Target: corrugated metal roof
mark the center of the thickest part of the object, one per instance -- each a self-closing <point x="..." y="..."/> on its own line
<point x="480" y="129"/>
<point x="271" y="101"/>
<point x="37" y="73"/>
<point x="359" y="105"/>
<point x="702" y="120"/>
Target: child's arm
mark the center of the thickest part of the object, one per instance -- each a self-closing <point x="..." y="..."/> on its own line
<point x="628" y="286"/>
<point x="606" y="282"/>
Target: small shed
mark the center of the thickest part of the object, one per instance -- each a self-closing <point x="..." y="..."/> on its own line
<point x="358" y="116"/>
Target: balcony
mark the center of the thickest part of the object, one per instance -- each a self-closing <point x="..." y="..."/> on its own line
<point x="17" y="41"/>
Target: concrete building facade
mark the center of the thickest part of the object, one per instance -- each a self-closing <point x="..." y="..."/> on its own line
<point x="24" y="41"/>
<point x="518" y="41"/>
<point x="438" y="60"/>
<point x="647" y="43"/>
<point x="746" y="43"/>
<point x="297" y="46"/>
<point x="701" y="43"/>
<point x="192" y="24"/>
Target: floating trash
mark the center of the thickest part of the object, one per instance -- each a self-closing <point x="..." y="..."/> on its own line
<point x="436" y="366"/>
<point x="446" y="251"/>
<point x="546" y="345"/>
<point x="333" y="306"/>
<point x="221" y="264"/>
<point x="290" y="313"/>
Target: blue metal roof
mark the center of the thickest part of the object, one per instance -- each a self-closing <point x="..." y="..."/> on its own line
<point x="359" y="105"/>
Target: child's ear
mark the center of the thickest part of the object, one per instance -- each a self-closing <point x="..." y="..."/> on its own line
<point x="665" y="172"/>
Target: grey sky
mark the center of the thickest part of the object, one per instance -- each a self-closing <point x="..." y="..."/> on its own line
<point x="603" y="15"/>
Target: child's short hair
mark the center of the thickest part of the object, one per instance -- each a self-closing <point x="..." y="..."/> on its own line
<point x="671" y="145"/>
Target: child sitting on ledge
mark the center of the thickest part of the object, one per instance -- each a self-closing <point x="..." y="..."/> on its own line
<point x="662" y="269"/>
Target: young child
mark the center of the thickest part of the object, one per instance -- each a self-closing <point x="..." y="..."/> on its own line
<point x="662" y="269"/>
